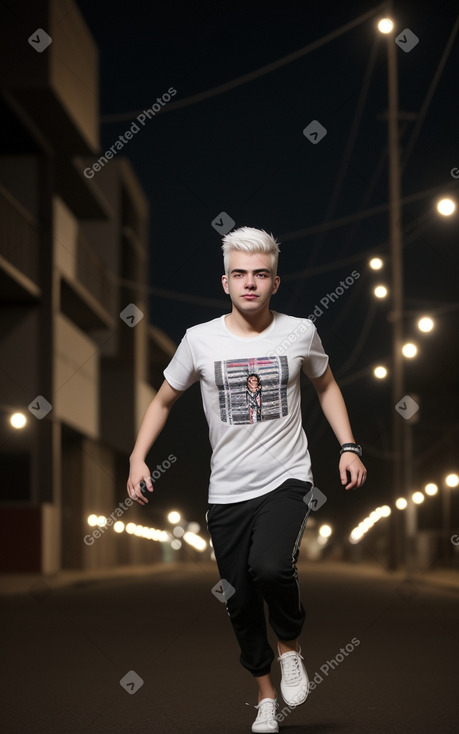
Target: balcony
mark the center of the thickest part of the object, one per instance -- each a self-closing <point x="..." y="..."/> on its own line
<point x="89" y="298"/>
<point x="19" y="247"/>
<point x="58" y="88"/>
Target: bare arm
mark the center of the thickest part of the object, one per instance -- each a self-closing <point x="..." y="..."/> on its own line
<point x="334" y="409"/>
<point x="151" y="426"/>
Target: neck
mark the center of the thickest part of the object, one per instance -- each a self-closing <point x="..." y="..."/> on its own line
<point x="249" y="323"/>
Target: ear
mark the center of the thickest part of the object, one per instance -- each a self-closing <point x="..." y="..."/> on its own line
<point x="225" y="283"/>
<point x="276" y="284"/>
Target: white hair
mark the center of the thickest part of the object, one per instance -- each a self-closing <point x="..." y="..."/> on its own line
<point x="250" y="240"/>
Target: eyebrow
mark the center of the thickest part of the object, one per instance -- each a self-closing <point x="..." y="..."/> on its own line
<point x="260" y="270"/>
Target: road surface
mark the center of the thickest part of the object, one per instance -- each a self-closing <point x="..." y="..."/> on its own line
<point x="384" y="655"/>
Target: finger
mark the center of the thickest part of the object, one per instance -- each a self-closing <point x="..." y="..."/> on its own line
<point x="132" y="492"/>
<point x="361" y="476"/>
<point x="149" y="484"/>
<point x="353" y="481"/>
<point x="346" y="477"/>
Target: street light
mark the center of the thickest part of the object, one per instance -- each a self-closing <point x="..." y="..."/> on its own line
<point x="18" y="420"/>
<point x="376" y="263"/>
<point x="409" y="350"/>
<point x="446" y="207"/>
<point x="380" y="291"/>
<point x="380" y="372"/>
<point x="385" y="25"/>
<point x="425" y="324"/>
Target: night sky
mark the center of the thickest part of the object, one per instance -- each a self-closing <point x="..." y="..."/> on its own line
<point x="243" y="152"/>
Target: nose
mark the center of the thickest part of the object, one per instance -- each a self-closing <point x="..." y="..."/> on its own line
<point x="250" y="281"/>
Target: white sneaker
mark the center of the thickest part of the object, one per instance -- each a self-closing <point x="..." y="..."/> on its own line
<point x="295" y="683"/>
<point x="266" y="721"/>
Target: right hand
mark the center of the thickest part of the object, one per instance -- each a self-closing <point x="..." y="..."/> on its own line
<point x="138" y="471"/>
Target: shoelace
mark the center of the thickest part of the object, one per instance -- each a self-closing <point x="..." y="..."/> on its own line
<point x="267" y="709"/>
<point x="291" y="670"/>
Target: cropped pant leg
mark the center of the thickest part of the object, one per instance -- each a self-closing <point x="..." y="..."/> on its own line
<point x="256" y="545"/>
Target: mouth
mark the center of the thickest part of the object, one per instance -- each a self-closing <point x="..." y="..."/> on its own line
<point x="249" y="297"/>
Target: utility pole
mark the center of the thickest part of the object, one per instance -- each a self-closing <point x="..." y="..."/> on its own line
<point x="396" y="252"/>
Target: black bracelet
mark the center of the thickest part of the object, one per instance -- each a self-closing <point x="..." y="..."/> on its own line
<point x="354" y="448"/>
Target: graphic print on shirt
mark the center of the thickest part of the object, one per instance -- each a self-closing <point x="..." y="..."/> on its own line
<point x="252" y="390"/>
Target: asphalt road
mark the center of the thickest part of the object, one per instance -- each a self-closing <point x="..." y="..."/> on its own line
<point x="65" y="651"/>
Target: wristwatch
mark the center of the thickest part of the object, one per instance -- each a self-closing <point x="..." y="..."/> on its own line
<point x="355" y="448"/>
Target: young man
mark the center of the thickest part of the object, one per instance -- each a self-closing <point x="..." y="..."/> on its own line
<point x="249" y="362"/>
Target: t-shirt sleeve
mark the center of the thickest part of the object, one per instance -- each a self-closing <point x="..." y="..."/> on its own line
<point x="316" y="361"/>
<point x="181" y="371"/>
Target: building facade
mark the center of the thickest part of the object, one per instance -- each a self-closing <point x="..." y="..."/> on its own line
<point x="78" y="355"/>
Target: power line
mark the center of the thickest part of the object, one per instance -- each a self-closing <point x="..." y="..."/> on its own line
<point x="335" y="194"/>
<point x="251" y="76"/>
<point x="360" y="215"/>
<point x="409" y="236"/>
<point x="173" y="295"/>
<point x="350" y="142"/>
<point x="349" y="147"/>
<point x="429" y="95"/>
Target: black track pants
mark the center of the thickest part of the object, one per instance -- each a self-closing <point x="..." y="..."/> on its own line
<point x="256" y="545"/>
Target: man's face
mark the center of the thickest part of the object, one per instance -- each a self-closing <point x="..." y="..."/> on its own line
<point x="253" y="383"/>
<point x="250" y="282"/>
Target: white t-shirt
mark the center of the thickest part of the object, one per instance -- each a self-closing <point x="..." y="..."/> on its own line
<point x="255" y="426"/>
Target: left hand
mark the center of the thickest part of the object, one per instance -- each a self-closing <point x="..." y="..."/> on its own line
<point x="351" y="462"/>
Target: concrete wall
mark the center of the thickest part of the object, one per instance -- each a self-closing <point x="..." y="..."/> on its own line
<point x="77" y="80"/>
<point x="76" y="390"/>
<point x="65" y="239"/>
